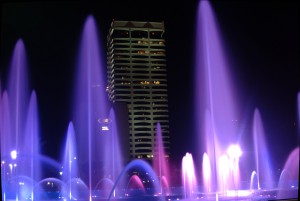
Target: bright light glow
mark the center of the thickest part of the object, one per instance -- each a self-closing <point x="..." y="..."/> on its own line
<point x="234" y="151"/>
<point x="60" y="173"/>
<point x="206" y="171"/>
<point x="105" y="128"/>
<point x="242" y="193"/>
<point x="13" y="154"/>
<point x="188" y="175"/>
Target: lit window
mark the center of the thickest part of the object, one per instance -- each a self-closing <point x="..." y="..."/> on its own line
<point x="105" y="128"/>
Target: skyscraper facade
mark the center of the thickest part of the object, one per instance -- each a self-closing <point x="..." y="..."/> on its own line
<point x="137" y="75"/>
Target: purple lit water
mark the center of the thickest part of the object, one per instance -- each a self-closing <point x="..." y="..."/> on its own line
<point x="150" y="177"/>
<point x="30" y="148"/>
<point x="114" y="162"/>
<point x="15" y="102"/>
<point x="217" y="121"/>
<point x="160" y="163"/>
<point x="70" y="163"/>
<point x="289" y="178"/>
<point x="224" y="172"/>
<point x="189" y="180"/>
<point x="206" y="173"/>
<point x="91" y="165"/>
<point x="90" y="105"/>
<point x="20" y="165"/>
<point x="18" y="95"/>
<point x="262" y="158"/>
<point x="135" y="186"/>
<point x="215" y="99"/>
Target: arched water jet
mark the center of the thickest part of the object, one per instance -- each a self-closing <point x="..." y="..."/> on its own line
<point x="103" y="188"/>
<point x="77" y="189"/>
<point x="254" y="185"/>
<point x="289" y="178"/>
<point x="144" y="165"/>
<point x="20" y="187"/>
<point x="50" y="188"/>
<point x="135" y="186"/>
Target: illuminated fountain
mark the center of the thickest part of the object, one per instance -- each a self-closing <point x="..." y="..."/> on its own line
<point x="94" y="122"/>
<point x="216" y="101"/>
<point x="289" y="177"/>
<point x="91" y="153"/>
<point x="262" y="158"/>
<point x="135" y="186"/>
<point x="160" y="164"/>
<point x="20" y="165"/>
<point x="92" y="166"/>
<point x="189" y="180"/>
<point x="218" y="121"/>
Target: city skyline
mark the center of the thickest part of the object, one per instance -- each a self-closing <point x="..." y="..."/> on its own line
<point x="262" y="50"/>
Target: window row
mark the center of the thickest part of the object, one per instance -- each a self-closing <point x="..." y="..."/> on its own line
<point x="135" y="66"/>
<point x="137" y="34"/>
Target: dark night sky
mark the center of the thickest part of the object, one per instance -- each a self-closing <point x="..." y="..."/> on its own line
<point x="262" y="46"/>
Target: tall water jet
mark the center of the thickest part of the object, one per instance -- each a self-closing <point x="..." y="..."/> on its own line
<point x="234" y="153"/>
<point x="90" y="104"/>
<point x="69" y="161"/>
<point x="160" y="161"/>
<point x="30" y="164"/>
<point x="262" y="158"/>
<point x="189" y="177"/>
<point x="206" y="171"/>
<point x="17" y="100"/>
<point x="224" y="172"/>
<point x="70" y="169"/>
<point x="112" y="157"/>
<point x="214" y="104"/>
<point x="19" y="129"/>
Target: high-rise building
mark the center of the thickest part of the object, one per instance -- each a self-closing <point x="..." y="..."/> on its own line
<point x="137" y="75"/>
